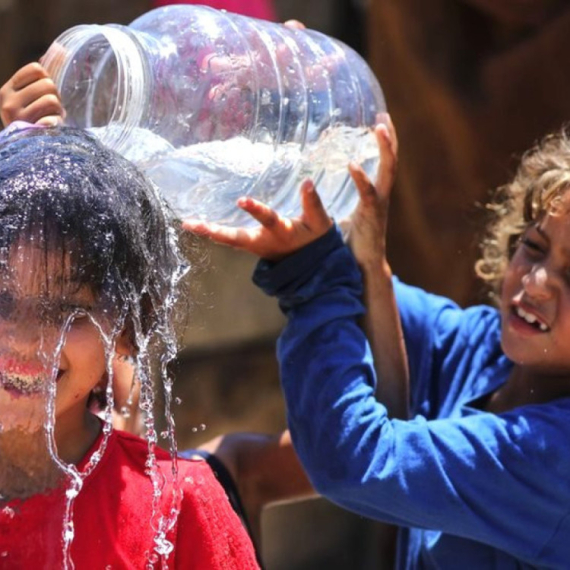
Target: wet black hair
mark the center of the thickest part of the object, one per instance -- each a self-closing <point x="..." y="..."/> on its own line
<point x="72" y="196"/>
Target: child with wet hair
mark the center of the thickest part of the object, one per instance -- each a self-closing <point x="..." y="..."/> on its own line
<point x="89" y="272"/>
<point x="480" y="476"/>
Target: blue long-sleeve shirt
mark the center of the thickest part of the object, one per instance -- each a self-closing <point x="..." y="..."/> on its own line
<point x="472" y="489"/>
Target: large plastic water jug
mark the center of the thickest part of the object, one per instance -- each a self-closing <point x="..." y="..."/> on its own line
<point x="214" y="106"/>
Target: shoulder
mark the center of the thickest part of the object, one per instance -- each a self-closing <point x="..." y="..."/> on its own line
<point x="200" y="492"/>
<point x="207" y="518"/>
<point x="417" y="305"/>
<point x="127" y="455"/>
<point x="432" y="322"/>
<point x="136" y="449"/>
<point x="129" y="448"/>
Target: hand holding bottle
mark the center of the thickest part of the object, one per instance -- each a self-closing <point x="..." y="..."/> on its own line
<point x="276" y="236"/>
<point x="30" y="95"/>
<point x="366" y="229"/>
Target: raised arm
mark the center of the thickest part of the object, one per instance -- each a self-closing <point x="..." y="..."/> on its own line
<point x="266" y="469"/>
<point x="367" y="239"/>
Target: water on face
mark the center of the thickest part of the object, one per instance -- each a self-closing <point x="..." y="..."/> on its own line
<point x="80" y="235"/>
<point x="29" y="464"/>
<point x="35" y="327"/>
<point x="204" y="180"/>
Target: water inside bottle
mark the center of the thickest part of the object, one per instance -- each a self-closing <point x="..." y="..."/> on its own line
<point x="204" y="180"/>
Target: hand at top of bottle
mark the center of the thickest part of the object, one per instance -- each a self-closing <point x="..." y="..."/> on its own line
<point x="277" y="236"/>
<point x="30" y="95"/>
<point x="366" y="233"/>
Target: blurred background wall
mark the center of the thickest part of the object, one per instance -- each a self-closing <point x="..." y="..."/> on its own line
<point x="470" y="85"/>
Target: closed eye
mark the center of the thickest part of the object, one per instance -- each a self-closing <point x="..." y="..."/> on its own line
<point x="531" y="246"/>
<point x="78" y="311"/>
<point x="58" y="313"/>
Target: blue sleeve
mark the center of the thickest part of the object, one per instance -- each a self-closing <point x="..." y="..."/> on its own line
<point x="501" y="480"/>
<point x="446" y="347"/>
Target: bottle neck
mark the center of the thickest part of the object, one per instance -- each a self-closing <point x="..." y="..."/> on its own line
<point x="102" y="74"/>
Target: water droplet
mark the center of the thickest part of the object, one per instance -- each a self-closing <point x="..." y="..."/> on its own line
<point x="265" y="97"/>
<point x="164" y="434"/>
<point x="69" y="532"/>
<point x="163" y="546"/>
<point x="126" y="412"/>
<point x="8" y="512"/>
<point x="177" y="401"/>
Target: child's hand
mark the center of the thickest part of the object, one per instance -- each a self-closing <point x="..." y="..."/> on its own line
<point x="30" y="95"/>
<point x="367" y="228"/>
<point x="295" y="25"/>
<point x="277" y="236"/>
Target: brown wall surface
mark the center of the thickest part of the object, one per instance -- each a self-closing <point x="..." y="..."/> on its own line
<point x="29" y="26"/>
<point x="470" y="86"/>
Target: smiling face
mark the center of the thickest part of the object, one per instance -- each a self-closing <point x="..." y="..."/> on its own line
<point x="535" y="295"/>
<point x="94" y="227"/>
<point x="46" y="331"/>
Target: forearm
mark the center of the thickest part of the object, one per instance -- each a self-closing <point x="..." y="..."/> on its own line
<point x="328" y="383"/>
<point x="323" y="353"/>
<point x="264" y="469"/>
<point x="270" y="472"/>
<point x="383" y="329"/>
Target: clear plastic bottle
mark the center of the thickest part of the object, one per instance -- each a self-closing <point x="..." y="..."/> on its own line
<point x="213" y="106"/>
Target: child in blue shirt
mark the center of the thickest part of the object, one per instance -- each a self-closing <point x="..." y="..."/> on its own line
<point x="479" y="477"/>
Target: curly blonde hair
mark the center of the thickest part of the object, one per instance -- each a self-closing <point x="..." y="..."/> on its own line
<point x="542" y="178"/>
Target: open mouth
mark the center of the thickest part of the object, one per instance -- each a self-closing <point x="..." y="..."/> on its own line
<point x="530" y="319"/>
<point x="22" y="385"/>
<point x="23" y="379"/>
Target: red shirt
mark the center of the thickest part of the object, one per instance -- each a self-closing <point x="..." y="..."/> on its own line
<point x="112" y="518"/>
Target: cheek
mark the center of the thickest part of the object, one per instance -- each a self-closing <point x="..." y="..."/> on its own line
<point x="518" y="267"/>
<point x="564" y="316"/>
<point x="84" y="347"/>
<point x="510" y="283"/>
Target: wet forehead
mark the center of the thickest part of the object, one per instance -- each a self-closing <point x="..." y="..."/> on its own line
<point x="554" y="226"/>
<point x="29" y="271"/>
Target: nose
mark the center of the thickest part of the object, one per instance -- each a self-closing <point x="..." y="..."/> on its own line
<point x="20" y="338"/>
<point x="539" y="283"/>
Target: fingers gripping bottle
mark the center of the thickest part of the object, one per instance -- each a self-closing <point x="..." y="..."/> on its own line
<point x="214" y="106"/>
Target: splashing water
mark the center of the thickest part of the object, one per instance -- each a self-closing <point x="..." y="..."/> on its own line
<point x="76" y="255"/>
<point x="204" y="180"/>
